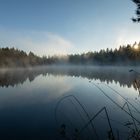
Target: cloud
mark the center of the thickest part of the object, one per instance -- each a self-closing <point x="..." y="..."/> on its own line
<point x="40" y="42"/>
<point x="57" y="44"/>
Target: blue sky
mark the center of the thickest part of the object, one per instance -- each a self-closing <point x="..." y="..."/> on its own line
<point x="49" y="27"/>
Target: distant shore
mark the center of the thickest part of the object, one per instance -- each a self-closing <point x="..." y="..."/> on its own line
<point x="124" y="56"/>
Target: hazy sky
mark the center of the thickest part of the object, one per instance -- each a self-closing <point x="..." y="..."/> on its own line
<point x="67" y="26"/>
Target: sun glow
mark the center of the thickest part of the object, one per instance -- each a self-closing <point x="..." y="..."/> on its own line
<point x="136" y="47"/>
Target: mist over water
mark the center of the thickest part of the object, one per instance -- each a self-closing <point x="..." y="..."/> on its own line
<point x="121" y="75"/>
<point x="42" y="102"/>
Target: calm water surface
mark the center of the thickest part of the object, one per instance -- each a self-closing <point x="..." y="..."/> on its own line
<point x="69" y="102"/>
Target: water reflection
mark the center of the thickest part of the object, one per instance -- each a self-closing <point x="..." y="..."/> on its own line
<point x="136" y="85"/>
<point x="121" y="75"/>
<point x="69" y="103"/>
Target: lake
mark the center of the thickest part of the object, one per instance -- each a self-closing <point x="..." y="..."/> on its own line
<point x="69" y="102"/>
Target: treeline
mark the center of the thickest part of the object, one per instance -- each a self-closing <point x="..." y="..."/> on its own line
<point x="125" y="55"/>
<point x="11" y="57"/>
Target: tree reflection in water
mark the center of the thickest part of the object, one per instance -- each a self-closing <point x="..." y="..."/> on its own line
<point x="119" y="75"/>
